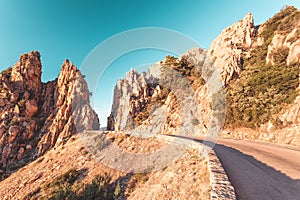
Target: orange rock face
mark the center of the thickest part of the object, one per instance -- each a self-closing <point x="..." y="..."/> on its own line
<point x="36" y="116"/>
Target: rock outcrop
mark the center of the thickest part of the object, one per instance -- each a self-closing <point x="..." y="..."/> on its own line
<point x="131" y="95"/>
<point x="154" y="101"/>
<point x="228" y="49"/>
<point x="202" y="62"/>
<point x="281" y="35"/>
<point x="36" y="116"/>
<point x="288" y="43"/>
<point x="71" y="110"/>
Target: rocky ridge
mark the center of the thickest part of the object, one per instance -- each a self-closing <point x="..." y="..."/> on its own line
<point x="37" y="116"/>
<point x="147" y="99"/>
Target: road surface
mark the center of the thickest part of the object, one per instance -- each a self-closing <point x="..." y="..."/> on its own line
<point x="260" y="171"/>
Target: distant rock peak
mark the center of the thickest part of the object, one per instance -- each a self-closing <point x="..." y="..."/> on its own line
<point x="27" y="72"/>
<point x="249" y="18"/>
<point x="228" y="48"/>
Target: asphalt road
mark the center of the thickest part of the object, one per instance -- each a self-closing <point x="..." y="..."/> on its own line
<point x="260" y="171"/>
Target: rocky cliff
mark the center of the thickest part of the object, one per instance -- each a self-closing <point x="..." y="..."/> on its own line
<point x="152" y="101"/>
<point x="131" y="95"/>
<point x="36" y="116"/>
<point x="269" y="79"/>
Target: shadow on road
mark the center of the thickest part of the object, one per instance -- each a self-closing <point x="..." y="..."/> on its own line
<point x="251" y="178"/>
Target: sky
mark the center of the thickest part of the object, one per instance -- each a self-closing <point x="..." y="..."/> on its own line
<point x="73" y="29"/>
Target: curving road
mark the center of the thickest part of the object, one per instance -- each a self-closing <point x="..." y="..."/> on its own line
<point x="260" y="171"/>
<point x="257" y="170"/>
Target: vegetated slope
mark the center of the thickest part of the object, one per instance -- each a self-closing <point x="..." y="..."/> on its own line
<point x="36" y="116"/>
<point x="71" y="172"/>
<point x="270" y="76"/>
<point x="266" y="96"/>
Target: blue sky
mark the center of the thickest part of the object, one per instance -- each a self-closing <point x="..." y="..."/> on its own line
<point x="72" y="29"/>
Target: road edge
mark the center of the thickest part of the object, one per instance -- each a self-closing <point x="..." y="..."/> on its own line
<point x="221" y="187"/>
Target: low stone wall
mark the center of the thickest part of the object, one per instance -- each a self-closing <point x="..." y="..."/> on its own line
<point x="221" y="187"/>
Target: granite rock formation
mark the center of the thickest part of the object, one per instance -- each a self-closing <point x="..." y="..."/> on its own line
<point x="131" y="95"/>
<point x="36" y="116"/>
<point x="228" y="49"/>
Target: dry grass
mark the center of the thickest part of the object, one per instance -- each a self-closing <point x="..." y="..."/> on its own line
<point x="186" y="178"/>
<point x="135" y="144"/>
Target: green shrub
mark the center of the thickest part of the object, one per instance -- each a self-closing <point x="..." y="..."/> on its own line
<point x="195" y="122"/>
<point x="261" y="92"/>
<point x="278" y="21"/>
<point x="64" y="193"/>
<point x="68" y="187"/>
<point x="100" y="188"/>
<point x="289" y="22"/>
<point x="68" y="177"/>
<point x="61" y="187"/>
<point x="138" y="178"/>
<point x="186" y="71"/>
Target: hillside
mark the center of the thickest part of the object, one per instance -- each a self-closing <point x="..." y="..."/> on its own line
<point x="270" y="76"/>
<point x="266" y="96"/>
<point x="259" y="68"/>
<point x="71" y="172"/>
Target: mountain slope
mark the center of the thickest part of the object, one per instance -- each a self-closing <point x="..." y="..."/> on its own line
<point x="70" y="171"/>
